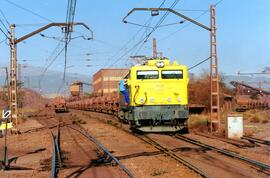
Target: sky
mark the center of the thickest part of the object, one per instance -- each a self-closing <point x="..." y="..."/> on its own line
<point x="243" y="34"/>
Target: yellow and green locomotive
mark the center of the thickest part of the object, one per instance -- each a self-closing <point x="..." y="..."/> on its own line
<point x="158" y="97"/>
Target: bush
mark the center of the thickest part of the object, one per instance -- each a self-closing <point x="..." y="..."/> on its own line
<point x="197" y="121"/>
<point x="76" y="120"/>
<point x="199" y="89"/>
<point x="255" y="119"/>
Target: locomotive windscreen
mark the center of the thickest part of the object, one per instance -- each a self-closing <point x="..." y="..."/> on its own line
<point x="147" y="74"/>
<point x="172" y="74"/>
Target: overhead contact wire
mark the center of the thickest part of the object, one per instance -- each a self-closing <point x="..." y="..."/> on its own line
<point x="134" y="46"/>
<point x="2" y="13"/>
<point x="144" y="40"/>
<point x="28" y="10"/>
<point x="196" y="18"/>
<point x="196" y="65"/>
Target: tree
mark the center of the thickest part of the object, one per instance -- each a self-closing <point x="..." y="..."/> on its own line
<point x="199" y="89"/>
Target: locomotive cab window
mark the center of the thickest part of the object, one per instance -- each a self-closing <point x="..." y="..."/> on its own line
<point x="147" y="74"/>
<point x="172" y="74"/>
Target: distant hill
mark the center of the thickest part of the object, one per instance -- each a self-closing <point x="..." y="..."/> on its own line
<point x="32" y="99"/>
<point x="51" y="82"/>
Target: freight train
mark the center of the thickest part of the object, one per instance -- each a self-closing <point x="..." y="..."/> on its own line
<point x="248" y="97"/>
<point x="59" y="105"/>
<point x="157" y="98"/>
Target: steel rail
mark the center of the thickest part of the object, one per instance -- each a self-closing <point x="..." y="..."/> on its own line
<point x="54" y="171"/>
<point x="58" y="147"/>
<point x="256" y="140"/>
<point x="265" y="168"/>
<point x="238" y="143"/>
<point x="172" y="155"/>
<point x="96" y="142"/>
<point x="56" y="154"/>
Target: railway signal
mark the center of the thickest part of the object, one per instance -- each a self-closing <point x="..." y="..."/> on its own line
<point x="6" y="114"/>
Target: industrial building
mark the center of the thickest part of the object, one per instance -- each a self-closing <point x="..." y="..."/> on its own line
<point x="106" y="80"/>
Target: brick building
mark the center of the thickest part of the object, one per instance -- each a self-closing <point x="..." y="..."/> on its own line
<point x="106" y="80"/>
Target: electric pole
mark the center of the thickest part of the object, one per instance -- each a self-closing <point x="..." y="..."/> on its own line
<point x="154" y="48"/>
<point x="7" y="85"/>
<point x="214" y="77"/>
<point x="20" y="75"/>
<point x="13" y="76"/>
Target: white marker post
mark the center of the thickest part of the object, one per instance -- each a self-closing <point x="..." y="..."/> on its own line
<point x="6" y="113"/>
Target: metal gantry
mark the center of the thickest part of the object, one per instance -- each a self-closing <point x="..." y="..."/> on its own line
<point x="214" y="77"/>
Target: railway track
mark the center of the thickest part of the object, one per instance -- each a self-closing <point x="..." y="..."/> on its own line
<point x="258" y="165"/>
<point x="163" y="149"/>
<point x="106" y="154"/>
<point x="57" y="160"/>
<point x="172" y="154"/>
<point x="261" y="167"/>
<point x="237" y="143"/>
<point x="192" y="164"/>
<point x="49" y="123"/>
<point x="256" y="140"/>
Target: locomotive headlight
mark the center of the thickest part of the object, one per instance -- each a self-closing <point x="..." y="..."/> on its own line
<point x="141" y="100"/>
<point x="152" y="100"/>
<point x="178" y="99"/>
<point x="160" y="64"/>
<point x="169" y="99"/>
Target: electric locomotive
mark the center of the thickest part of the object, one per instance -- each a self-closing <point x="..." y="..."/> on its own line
<point x="158" y="97"/>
